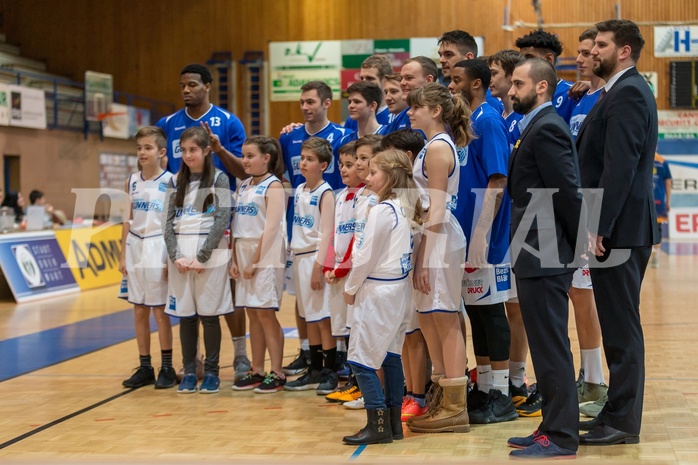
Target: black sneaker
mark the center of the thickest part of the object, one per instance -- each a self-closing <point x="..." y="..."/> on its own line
<point x="272" y="383"/>
<point x="533" y="405"/>
<point x="142" y="377"/>
<point x="167" y="378"/>
<point x="518" y="394"/>
<point x="497" y="409"/>
<point x="476" y="399"/>
<point x="310" y="380"/>
<point x="249" y="381"/>
<point x="299" y="365"/>
<point x="328" y="382"/>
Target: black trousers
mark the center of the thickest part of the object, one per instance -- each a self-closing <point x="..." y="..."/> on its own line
<point x="189" y="337"/>
<point x="617" y="295"/>
<point x="545" y="312"/>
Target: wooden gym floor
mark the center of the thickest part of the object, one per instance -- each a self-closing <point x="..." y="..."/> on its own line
<point x="61" y="398"/>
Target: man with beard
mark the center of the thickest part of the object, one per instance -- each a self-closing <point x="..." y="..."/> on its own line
<point x="616" y="143"/>
<point x="227" y="135"/>
<point x="543" y="245"/>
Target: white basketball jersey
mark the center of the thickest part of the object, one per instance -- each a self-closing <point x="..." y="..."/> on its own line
<point x="306" y="217"/>
<point x="147" y="203"/>
<point x="344" y="223"/>
<point x="420" y="176"/>
<point x="251" y="209"/>
<point x="362" y="203"/>
<point x="190" y="220"/>
<point x="395" y="260"/>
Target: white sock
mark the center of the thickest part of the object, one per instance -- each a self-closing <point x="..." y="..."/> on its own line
<point x="517" y="373"/>
<point x="592" y="366"/>
<point x="500" y="380"/>
<point x="305" y="345"/>
<point x="240" y="346"/>
<point x="484" y="378"/>
<point x="341" y="345"/>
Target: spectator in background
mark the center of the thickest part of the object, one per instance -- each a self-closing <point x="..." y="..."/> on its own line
<point x="51" y="215"/>
<point x="15" y="201"/>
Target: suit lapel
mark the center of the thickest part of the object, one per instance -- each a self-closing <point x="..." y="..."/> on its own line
<point x="512" y="157"/>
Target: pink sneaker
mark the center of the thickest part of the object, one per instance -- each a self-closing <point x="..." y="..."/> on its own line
<point x="412" y="409"/>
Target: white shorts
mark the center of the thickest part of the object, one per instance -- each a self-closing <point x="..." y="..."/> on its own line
<point x="487" y="286"/>
<point x="312" y="305"/>
<point x="412" y="315"/>
<point x="338" y="308"/>
<point x="266" y="287"/>
<point x="206" y="294"/>
<point x="513" y="292"/>
<point x="445" y="271"/>
<point x="146" y="264"/>
<point x="582" y="278"/>
<point x="380" y="321"/>
<point x="288" y="274"/>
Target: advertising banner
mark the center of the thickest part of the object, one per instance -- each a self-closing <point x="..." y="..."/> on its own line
<point x="27" y="107"/>
<point x="675" y="41"/>
<point x="4" y="105"/>
<point x="92" y="254"/>
<point x="34" y="266"/>
<point x="292" y="64"/>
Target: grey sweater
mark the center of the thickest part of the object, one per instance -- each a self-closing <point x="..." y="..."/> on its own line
<point x="221" y="218"/>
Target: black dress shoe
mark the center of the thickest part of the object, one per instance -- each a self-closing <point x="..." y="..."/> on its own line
<point x="604" y="435"/>
<point x="589" y="425"/>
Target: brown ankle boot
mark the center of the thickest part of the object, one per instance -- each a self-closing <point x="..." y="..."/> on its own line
<point x="433" y="398"/>
<point x="452" y="417"/>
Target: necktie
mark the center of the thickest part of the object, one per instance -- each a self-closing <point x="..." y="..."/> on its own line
<point x="603" y="93"/>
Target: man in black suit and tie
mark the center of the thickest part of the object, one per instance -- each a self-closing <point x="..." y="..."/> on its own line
<point x="544" y="187"/>
<point x="616" y="145"/>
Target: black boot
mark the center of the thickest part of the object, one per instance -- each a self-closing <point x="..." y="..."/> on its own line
<point x="376" y="431"/>
<point x="396" y="422"/>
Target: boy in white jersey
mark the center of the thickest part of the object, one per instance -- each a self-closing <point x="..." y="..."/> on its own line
<point x="312" y="231"/>
<point x="143" y="258"/>
<point x="337" y="266"/>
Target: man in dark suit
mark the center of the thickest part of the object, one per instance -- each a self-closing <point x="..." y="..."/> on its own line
<point x="616" y="145"/>
<point x="544" y="187"/>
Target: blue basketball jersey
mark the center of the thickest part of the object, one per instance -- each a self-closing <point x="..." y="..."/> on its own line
<point x="291" y="144"/>
<point x="561" y="101"/>
<point x="488" y="155"/>
<point x="400" y="121"/>
<point x="382" y="116"/>
<point x="513" y="132"/>
<point x="582" y="109"/>
<point x="494" y="102"/>
<point x="225" y="125"/>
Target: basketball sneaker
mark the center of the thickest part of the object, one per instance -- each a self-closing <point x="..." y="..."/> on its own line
<point x="272" y="383"/>
<point x="310" y="380"/>
<point x="143" y="376"/>
<point x="249" y="381"/>
<point x="167" y="378"/>
<point x="299" y="364"/>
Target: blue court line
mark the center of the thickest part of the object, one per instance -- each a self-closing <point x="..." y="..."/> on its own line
<point x="357" y="452"/>
<point x="24" y="354"/>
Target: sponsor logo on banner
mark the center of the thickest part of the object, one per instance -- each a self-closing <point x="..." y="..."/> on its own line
<point x="92" y="254"/>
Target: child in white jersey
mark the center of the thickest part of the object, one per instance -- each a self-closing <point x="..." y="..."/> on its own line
<point x="381" y="292"/>
<point x="338" y="265"/>
<point x="198" y="214"/>
<point x="143" y="258"/>
<point x="259" y="258"/>
<point x="312" y="231"/>
<point x="441" y="254"/>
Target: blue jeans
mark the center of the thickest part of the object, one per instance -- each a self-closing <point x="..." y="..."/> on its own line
<point x="370" y="385"/>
